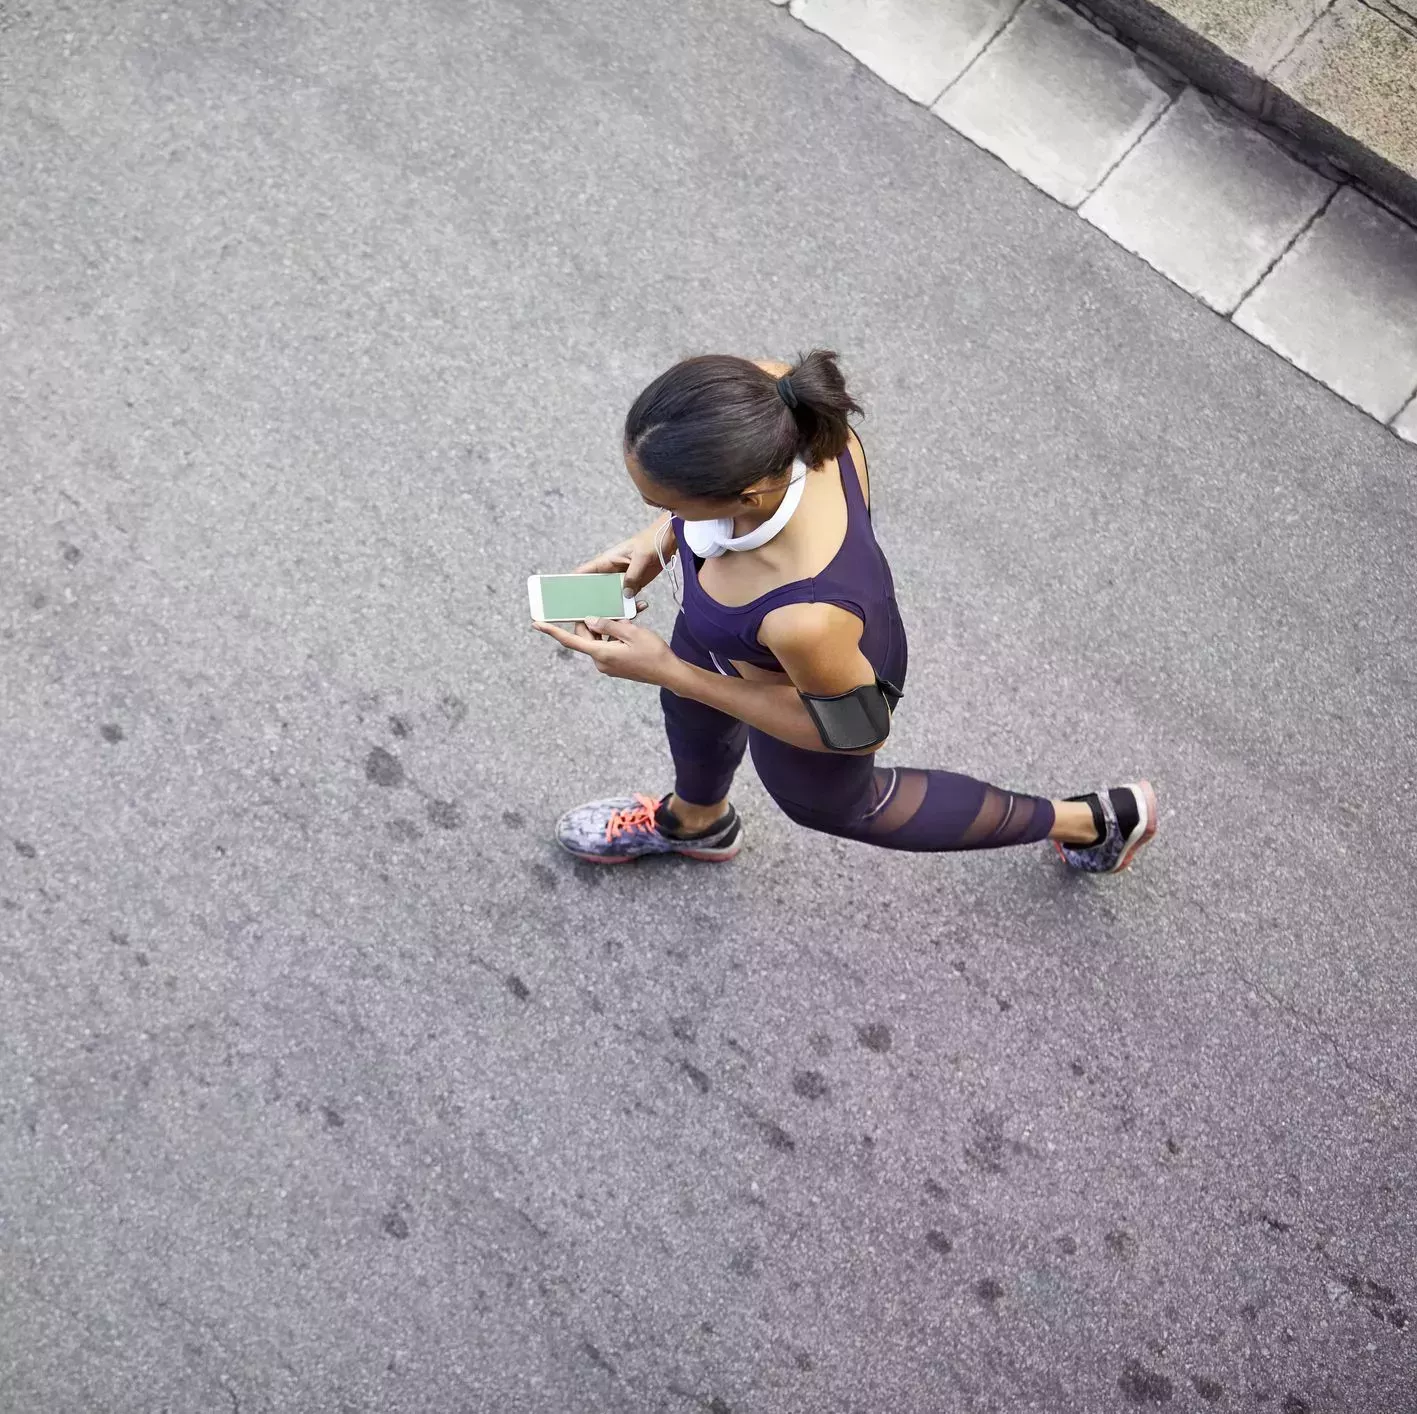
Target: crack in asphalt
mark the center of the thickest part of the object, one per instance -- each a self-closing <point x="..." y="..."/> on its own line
<point x="1313" y="1027"/>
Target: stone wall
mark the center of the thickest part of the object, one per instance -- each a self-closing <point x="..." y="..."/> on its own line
<point x="1340" y="74"/>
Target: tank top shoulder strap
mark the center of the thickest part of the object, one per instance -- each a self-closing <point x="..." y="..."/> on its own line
<point x="851" y="485"/>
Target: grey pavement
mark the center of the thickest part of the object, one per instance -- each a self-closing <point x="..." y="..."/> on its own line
<point x="1200" y="192"/>
<point x="326" y="1084"/>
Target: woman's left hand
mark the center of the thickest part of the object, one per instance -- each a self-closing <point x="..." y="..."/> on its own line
<point x="619" y="648"/>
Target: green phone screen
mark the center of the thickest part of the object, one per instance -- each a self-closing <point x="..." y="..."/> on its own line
<point x="582" y="596"/>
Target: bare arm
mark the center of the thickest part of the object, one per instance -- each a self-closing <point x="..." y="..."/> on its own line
<point x="818" y="645"/>
<point x="772" y="707"/>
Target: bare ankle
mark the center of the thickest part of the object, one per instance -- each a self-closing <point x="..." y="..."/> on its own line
<point x="696" y="817"/>
<point x="1073" y="823"/>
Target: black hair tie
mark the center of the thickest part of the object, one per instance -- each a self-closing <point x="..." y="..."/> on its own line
<point x="786" y="391"/>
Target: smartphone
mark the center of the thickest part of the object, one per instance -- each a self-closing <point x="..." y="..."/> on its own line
<point x="569" y="598"/>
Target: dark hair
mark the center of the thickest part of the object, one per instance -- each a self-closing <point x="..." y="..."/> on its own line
<point x="713" y="426"/>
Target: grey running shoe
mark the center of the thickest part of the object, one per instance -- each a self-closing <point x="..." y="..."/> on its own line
<point x="1125" y="817"/>
<point x="617" y="831"/>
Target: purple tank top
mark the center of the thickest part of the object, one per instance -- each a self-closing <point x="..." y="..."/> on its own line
<point x="857" y="580"/>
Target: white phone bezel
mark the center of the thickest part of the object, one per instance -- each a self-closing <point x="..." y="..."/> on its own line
<point x="537" y="604"/>
<point x="533" y="594"/>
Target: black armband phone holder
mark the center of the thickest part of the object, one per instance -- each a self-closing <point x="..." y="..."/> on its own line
<point x="854" y="720"/>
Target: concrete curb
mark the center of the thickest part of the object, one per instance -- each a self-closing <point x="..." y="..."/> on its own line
<point x="1340" y="75"/>
<point x="1288" y="247"/>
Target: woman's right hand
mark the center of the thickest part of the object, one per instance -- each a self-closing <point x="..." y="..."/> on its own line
<point x="636" y="558"/>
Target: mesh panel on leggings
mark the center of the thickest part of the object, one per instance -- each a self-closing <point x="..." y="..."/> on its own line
<point x="941" y="810"/>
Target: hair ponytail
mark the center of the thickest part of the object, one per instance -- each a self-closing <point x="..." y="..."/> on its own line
<point x="823" y="406"/>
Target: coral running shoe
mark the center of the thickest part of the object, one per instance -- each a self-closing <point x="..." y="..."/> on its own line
<point x="1125" y="817"/>
<point x="625" y="828"/>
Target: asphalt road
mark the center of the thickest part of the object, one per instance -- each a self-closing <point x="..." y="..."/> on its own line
<point x="327" y="1084"/>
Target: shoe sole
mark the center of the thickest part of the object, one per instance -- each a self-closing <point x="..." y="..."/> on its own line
<point x="1143" y="836"/>
<point x="1146" y="828"/>
<point x="703" y="856"/>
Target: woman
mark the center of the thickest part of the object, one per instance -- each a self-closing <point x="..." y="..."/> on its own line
<point x="789" y="641"/>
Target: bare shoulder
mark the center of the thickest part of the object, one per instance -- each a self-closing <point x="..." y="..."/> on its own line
<point x="806" y="629"/>
<point x="818" y="645"/>
<point x="773" y="367"/>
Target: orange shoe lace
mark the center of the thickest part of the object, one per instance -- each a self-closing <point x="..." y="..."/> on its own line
<point x="641" y="817"/>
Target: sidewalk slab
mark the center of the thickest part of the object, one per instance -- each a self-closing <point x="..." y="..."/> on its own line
<point x="1406" y="424"/>
<point x="1207" y="200"/>
<point x="1056" y="99"/>
<point x="917" y="46"/>
<point x="1342" y="305"/>
<point x="1341" y="75"/>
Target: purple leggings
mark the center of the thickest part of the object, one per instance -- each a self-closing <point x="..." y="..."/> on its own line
<point x="894" y="807"/>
